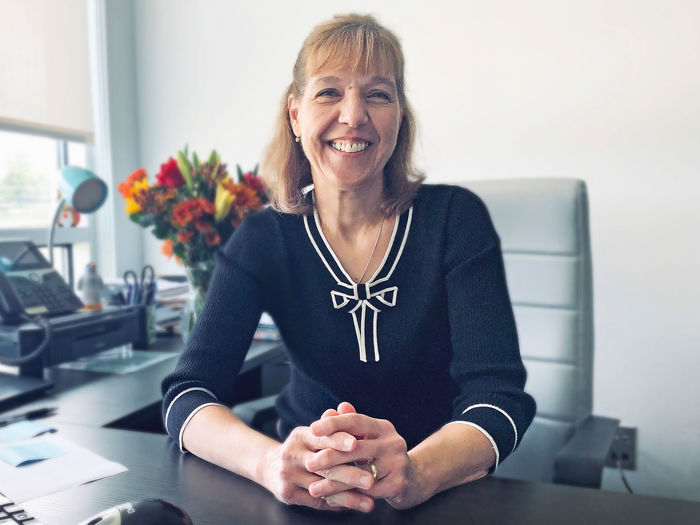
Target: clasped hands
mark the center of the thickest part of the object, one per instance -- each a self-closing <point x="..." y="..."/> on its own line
<point x="326" y="465"/>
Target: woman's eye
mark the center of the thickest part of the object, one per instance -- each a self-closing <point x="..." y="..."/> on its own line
<point x="380" y="95"/>
<point x="328" y="92"/>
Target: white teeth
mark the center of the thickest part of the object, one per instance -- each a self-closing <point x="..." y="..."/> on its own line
<point x="349" y="147"/>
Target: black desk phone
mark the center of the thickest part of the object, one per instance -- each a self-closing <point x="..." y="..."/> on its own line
<point x="29" y="285"/>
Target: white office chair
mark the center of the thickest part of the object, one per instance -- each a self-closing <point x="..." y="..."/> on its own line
<point x="543" y="226"/>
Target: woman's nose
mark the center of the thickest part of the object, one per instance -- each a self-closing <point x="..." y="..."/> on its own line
<point x="353" y="111"/>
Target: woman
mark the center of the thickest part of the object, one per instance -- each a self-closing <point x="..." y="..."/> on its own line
<point x="390" y="296"/>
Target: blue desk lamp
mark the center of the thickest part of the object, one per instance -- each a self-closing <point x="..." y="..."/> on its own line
<point x="82" y="190"/>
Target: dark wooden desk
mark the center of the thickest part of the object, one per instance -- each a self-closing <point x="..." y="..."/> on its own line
<point x="124" y="400"/>
<point x="213" y="496"/>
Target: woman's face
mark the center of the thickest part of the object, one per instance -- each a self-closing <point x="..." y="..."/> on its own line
<point x="348" y="124"/>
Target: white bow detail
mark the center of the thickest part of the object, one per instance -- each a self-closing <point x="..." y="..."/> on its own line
<point x="358" y="299"/>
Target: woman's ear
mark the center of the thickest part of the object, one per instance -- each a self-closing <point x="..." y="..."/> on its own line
<point x="293" y="108"/>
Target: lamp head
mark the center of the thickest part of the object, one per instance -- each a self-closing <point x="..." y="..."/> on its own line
<point x="82" y="189"/>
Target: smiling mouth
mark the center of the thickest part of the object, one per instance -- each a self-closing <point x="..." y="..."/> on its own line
<point x="349" y="147"/>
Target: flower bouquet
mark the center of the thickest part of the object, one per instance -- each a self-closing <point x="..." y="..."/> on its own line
<point x="194" y="207"/>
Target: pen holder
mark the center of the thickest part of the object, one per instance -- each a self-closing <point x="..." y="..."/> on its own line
<point x="147" y="326"/>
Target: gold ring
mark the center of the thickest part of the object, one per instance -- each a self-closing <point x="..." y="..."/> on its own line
<point x="373" y="469"/>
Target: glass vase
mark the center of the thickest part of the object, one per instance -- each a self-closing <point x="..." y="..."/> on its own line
<point x="199" y="276"/>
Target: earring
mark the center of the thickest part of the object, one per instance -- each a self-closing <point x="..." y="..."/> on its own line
<point x="297" y="139"/>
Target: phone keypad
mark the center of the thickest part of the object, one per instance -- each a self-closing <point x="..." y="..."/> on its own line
<point x="52" y="292"/>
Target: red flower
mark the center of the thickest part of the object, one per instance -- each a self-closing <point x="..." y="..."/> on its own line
<point x="212" y="238"/>
<point x="203" y="226"/>
<point x="184" y="236"/>
<point x="254" y="182"/>
<point x="170" y="174"/>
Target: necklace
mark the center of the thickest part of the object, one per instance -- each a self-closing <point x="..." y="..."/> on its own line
<point x="374" y="248"/>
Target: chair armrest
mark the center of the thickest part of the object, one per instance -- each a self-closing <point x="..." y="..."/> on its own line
<point x="580" y="462"/>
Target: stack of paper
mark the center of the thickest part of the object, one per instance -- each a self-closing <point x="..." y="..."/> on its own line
<point x="35" y="462"/>
<point x="171" y="292"/>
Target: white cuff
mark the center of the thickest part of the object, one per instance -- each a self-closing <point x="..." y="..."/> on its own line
<point x="182" y="428"/>
<point x="488" y="436"/>
<point x="485" y="405"/>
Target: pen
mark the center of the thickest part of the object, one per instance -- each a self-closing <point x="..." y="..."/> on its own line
<point x="32" y="414"/>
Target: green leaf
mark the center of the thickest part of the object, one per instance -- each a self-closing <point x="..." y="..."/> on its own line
<point x="196" y="161"/>
<point x="179" y="250"/>
<point x="239" y="172"/>
<point x="213" y="157"/>
<point x="136" y="217"/>
<point x="184" y="166"/>
<point x="146" y="220"/>
<point x="161" y="231"/>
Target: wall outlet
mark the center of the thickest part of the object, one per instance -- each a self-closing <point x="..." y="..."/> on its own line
<point x="624" y="449"/>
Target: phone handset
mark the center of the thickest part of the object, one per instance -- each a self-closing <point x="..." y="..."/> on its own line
<point x="11" y="307"/>
<point x="12" y="312"/>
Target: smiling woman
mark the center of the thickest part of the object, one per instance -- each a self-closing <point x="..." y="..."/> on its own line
<point x="348" y="123"/>
<point x="390" y="295"/>
<point x="335" y="50"/>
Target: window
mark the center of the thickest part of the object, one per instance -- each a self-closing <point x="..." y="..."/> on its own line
<point x="29" y="195"/>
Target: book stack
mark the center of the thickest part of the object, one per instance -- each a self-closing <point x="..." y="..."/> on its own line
<point x="267" y="330"/>
<point x="171" y="296"/>
<point x="172" y="293"/>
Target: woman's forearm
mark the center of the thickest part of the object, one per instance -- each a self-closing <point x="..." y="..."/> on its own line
<point x="217" y="435"/>
<point x="453" y="455"/>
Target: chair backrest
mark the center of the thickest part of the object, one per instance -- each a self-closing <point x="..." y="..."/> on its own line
<point x="543" y="226"/>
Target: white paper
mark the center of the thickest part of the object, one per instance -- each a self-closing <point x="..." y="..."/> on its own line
<point x="74" y="468"/>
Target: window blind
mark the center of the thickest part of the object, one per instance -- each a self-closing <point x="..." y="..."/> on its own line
<point x="44" y="68"/>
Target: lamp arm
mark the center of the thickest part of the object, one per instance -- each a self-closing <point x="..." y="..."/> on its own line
<point x="53" y="228"/>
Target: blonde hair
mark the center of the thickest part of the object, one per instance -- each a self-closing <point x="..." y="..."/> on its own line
<point x="363" y="44"/>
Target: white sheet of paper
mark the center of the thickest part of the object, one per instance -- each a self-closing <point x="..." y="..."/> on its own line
<point x="74" y="468"/>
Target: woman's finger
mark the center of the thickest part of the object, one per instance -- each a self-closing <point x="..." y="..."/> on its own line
<point x="294" y="495"/>
<point x="346" y="408"/>
<point x="356" y="424"/>
<point x="325" y="487"/>
<point x="328" y="458"/>
<point x="329" y="413"/>
<point x="349" y="476"/>
<point x="341" y="441"/>
<point x="351" y="499"/>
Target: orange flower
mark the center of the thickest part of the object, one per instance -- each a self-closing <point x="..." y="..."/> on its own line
<point x="137" y="175"/>
<point x="125" y="189"/>
<point x="206" y="205"/>
<point x="167" y="249"/>
<point x="192" y="209"/>
<point x="245" y="200"/>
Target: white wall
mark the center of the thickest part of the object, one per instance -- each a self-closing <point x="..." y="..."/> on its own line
<point x="602" y="90"/>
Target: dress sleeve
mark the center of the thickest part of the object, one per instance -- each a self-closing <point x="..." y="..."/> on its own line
<point x="216" y="348"/>
<point x="486" y="364"/>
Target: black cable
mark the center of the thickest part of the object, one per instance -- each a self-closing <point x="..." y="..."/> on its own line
<point x="619" y="466"/>
<point x="18" y="361"/>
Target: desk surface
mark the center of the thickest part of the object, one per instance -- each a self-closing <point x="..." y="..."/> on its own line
<point x="99" y="399"/>
<point x="213" y="496"/>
